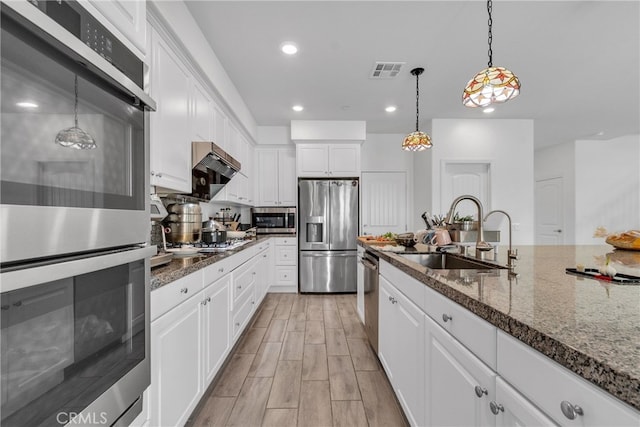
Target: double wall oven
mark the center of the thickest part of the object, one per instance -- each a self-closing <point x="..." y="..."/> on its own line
<point x="74" y="220"/>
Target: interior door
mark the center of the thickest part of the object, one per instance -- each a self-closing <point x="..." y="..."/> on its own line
<point x="384" y="202"/>
<point x="466" y="178"/>
<point x="549" y="212"/>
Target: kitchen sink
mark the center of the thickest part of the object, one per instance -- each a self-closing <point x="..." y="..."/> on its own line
<point x="439" y="261"/>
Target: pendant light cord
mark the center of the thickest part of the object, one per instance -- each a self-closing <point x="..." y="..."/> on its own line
<point x="490" y="38"/>
<point x="417" y="101"/>
<point x="75" y="108"/>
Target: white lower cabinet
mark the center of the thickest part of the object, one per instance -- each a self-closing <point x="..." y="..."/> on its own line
<point x="286" y="265"/>
<point x="468" y="373"/>
<point x="458" y="385"/>
<point x="401" y="349"/>
<point x="176" y="353"/>
<point x="217" y="319"/>
<point x="514" y="410"/>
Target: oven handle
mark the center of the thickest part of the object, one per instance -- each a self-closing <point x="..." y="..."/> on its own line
<point x="94" y="61"/>
<point x="38" y="274"/>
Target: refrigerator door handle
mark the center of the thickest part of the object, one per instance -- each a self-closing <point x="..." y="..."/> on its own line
<point x="327" y="255"/>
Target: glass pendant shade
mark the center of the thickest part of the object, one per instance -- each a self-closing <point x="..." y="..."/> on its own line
<point x="492" y="85"/>
<point x="416" y="141"/>
<point x="74" y="137"/>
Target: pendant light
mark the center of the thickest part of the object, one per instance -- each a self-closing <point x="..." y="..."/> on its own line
<point x="492" y="85"/>
<point x="417" y="141"/>
<point x="74" y="137"/>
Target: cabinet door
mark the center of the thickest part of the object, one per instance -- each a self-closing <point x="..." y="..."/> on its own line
<point x="344" y="160"/>
<point x="216" y="327"/>
<point x="267" y="177"/>
<point x="169" y="128"/>
<point x="313" y="160"/>
<point x="201" y="114"/>
<point x="515" y="409"/>
<point x="127" y="17"/>
<point x="175" y="367"/>
<point x="263" y="277"/>
<point x="452" y="375"/>
<point x="220" y="127"/>
<point x="401" y="348"/>
<point x="287" y="183"/>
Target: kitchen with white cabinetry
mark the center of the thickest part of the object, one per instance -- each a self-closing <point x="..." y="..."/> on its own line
<point x="233" y="342"/>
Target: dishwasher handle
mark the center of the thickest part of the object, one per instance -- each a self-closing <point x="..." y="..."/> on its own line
<point x="368" y="264"/>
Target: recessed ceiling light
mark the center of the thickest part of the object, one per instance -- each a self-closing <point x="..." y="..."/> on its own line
<point x="289" y="48"/>
<point x="489" y="110"/>
<point x="297" y="108"/>
<point x="27" y="104"/>
<point x="390" y="109"/>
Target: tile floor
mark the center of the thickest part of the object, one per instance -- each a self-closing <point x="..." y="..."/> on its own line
<point x="305" y="361"/>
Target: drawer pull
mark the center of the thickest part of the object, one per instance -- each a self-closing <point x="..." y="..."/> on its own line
<point x="480" y="391"/>
<point x="237" y="324"/>
<point x="184" y="290"/>
<point x="264" y="256"/>
<point x="221" y="270"/>
<point x="570" y="411"/>
<point x="496" y="408"/>
<point x="240" y="287"/>
<point x="446" y="318"/>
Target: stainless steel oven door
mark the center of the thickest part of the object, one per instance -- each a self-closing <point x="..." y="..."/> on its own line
<point x="56" y="197"/>
<point x="75" y="339"/>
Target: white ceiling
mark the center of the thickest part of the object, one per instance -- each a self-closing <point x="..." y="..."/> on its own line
<point x="578" y="61"/>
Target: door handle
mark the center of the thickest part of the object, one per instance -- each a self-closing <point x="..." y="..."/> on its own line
<point x="369" y="265"/>
<point x="558" y="231"/>
<point x="328" y="255"/>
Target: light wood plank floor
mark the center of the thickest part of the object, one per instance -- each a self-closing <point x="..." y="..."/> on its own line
<point x="304" y="361"/>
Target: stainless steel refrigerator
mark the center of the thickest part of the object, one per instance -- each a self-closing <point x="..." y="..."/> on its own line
<point x="328" y="229"/>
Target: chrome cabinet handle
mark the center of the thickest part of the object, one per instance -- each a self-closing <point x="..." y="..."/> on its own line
<point x="221" y="270"/>
<point x="208" y="299"/>
<point x="264" y="256"/>
<point x="495" y="407"/>
<point x="159" y="175"/>
<point x="240" y="287"/>
<point x="184" y="290"/>
<point x="570" y="411"/>
<point x="446" y="318"/>
<point x="480" y="391"/>
<point x="237" y="323"/>
<point x="204" y="302"/>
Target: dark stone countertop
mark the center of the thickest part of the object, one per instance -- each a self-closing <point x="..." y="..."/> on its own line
<point x="589" y="326"/>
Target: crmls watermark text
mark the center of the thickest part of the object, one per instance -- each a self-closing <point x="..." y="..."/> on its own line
<point x="91" y="418"/>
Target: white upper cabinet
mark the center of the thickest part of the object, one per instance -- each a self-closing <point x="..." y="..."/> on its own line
<point x="221" y="124"/>
<point x="170" y="123"/>
<point x="201" y="113"/>
<point x="328" y="160"/>
<point x="126" y="19"/>
<point x="276" y="177"/>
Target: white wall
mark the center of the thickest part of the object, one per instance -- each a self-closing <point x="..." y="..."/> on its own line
<point x="508" y="145"/>
<point x="559" y="161"/>
<point x="274" y="135"/>
<point x="607" y="186"/>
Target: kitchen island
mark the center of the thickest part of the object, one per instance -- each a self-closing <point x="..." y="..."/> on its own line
<point x="588" y="326"/>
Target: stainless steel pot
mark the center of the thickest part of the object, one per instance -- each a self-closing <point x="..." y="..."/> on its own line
<point x="211" y="235"/>
<point x="184" y="232"/>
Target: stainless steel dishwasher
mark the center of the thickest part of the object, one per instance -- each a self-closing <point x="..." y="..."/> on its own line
<point x="370" y="262"/>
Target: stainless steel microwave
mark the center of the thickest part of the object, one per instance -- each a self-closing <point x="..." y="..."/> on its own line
<point x="274" y="220"/>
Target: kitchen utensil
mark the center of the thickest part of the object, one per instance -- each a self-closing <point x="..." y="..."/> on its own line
<point x="441" y="237"/>
<point x="165" y="230"/>
<point x="212" y="224"/>
<point x="420" y="236"/>
<point x="406" y="240"/>
<point x="75" y="137"/>
<point x="426" y="220"/>
<point x="184" y="232"/>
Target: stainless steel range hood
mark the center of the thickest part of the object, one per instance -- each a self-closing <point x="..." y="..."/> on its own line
<point x="212" y="169"/>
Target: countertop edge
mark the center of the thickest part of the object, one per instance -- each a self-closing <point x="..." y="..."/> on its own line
<point x="618" y="384"/>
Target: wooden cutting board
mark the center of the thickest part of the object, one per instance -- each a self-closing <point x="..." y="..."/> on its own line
<point x="369" y="241"/>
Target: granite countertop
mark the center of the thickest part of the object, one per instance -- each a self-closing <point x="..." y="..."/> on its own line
<point x="591" y="327"/>
<point x="180" y="266"/>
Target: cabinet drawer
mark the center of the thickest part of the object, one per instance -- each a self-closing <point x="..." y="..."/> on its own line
<point x="215" y="271"/>
<point x="286" y="276"/>
<point x="286" y="255"/>
<point x="242" y="313"/>
<point x="547" y="384"/>
<point x="165" y="298"/>
<point x="286" y="241"/>
<point x="243" y="280"/>
<point x="475" y="333"/>
<point x="409" y="286"/>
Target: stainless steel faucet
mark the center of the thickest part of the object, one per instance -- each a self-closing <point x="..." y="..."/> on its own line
<point x="481" y="245"/>
<point x="512" y="255"/>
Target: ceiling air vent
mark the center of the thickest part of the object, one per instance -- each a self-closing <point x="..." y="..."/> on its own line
<point x="385" y="70"/>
